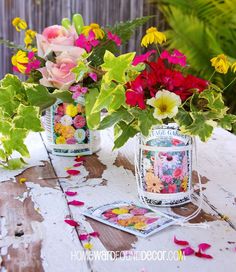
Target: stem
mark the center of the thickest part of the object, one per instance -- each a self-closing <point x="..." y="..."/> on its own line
<point x="158" y="50"/>
<point x="229" y="84"/>
<point x="212" y="75"/>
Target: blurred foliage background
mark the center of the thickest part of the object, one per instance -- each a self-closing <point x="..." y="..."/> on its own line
<point x="202" y="29"/>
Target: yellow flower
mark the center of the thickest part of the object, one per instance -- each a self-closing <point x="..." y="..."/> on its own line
<point x="140" y="225"/>
<point x="165" y="103"/>
<point x="71" y="110"/>
<point x="20" y="60"/>
<point x="184" y="183"/>
<point x="120" y="211"/>
<point x="220" y="63"/>
<point x="29" y="36"/>
<point x="19" y="24"/>
<point x="233" y="67"/>
<point x="60" y="140"/>
<point x="22" y="180"/>
<point x="153" y="36"/>
<point x="88" y="246"/>
<point x="99" y="33"/>
<point x="67" y="132"/>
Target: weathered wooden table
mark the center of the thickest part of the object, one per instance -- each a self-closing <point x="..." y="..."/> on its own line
<point x="34" y="236"/>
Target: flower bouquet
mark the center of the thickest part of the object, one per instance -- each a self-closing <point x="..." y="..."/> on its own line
<point x="61" y="65"/>
<point x="155" y="96"/>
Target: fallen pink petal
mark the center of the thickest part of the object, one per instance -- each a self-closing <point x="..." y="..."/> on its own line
<point x="203" y="255"/>
<point x="94" y="234"/>
<point x="204" y="246"/>
<point x="68" y="193"/>
<point x="187" y="251"/>
<point x="77" y="164"/>
<point x="80" y="159"/>
<point x="83" y="237"/>
<point x="71" y="222"/>
<point x="73" y="172"/>
<point x="76" y="203"/>
<point x="180" y="242"/>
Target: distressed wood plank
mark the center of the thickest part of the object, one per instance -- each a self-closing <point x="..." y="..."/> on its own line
<point x="33" y="234"/>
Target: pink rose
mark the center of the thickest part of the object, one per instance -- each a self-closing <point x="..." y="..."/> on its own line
<point x="79" y="121"/>
<point x="59" y="74"/>
<point x="56" y="35"/>
<point x="58" y="39"/>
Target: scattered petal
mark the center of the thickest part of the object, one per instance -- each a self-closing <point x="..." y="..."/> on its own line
<point x="187" y="251"/>
<point x="71" y="222"/>
<point x="180" y="243"/>
<point x="77" y="164"/>
<point x="83" y="237"/>
<point x="203" y="255"/>
<point x="22" y="180"/>
<point x="88" y="246"/>
<point x="94" y="234"/>
<point x="68" y="193"/>
<point x="67" y="168"/>
<point x="203" y="246"/>
<point x="73" y="172"/>
<point x="80" y="159"/>
<point x="76" y="203"/>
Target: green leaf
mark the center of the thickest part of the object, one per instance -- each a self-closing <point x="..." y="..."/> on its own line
<point x="8" y="104"/>
<point x="65" y="96"/>
<point x="118" y="98"/>
<point x="2" y="154"/>
<point x="28" y="118"/>
<point x="183" y="118"/>
<point x="146" y="120"/>
<point x="5" y="126"/>
<point x="120" y="115"/>
<point x="125" y="29"/>
<point x="80" y="70"/>
<point x="39" y="96"/>
<point x="227" y="121"/>
<point x="93" y="119"/>
<point x="15" y="141"/>
<point x="116" y="67"/>
<point x="13" y="164"/>
<point x="199" y="127"/>
<point x="104" y="98"/>
<point x="127" y="132"/>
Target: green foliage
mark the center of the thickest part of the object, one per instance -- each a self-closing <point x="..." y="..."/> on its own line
<point x="202" y="29"/>
<point x="124" y="30"/>
<point x="93" y="118"/>
<point x="20" y="105"/>
<point x="123" y="133"/>
<point x="207" y="110"/>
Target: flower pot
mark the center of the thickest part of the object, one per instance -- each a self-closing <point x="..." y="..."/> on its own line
<point x="164" y="167"/>
<point x="67" y="131"/>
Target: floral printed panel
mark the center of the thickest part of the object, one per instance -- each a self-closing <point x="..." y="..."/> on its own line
<point x="69" y="124"/>
<point x="167" y="172"/>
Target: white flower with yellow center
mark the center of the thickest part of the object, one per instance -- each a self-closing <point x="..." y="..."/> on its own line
<point x="165" y="103"/>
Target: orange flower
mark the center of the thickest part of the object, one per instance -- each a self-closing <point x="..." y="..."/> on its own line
<point x="154" y="184"/>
